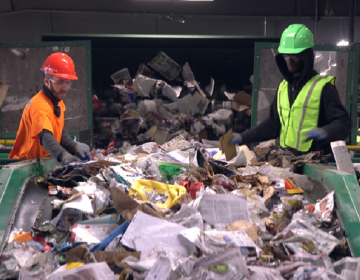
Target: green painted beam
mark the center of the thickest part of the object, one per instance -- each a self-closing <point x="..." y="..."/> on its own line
<point x="347" y="200"/>
<point x="148" y="36"/>
<point x="13" y="178"/>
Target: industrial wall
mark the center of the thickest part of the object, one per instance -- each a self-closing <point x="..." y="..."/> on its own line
<point x="23" y="21"/>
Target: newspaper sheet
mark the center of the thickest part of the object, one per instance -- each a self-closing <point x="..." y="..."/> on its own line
<point x="121" y="75"/>
<point x="143" y="86"/>
<point x="145" y="106"/>
<point x="314" y="273"/>
<point x="222" y="209"/>
<point x="348" y="268"/>
<point x="213" y="241"/>
<point x="221" y="115"/>
<point x="210" y="143"/>
<point x="263" y="273"/>
<point x="180" y="156"/>
<point x="91" y="271"/>
<point x="323" y="241"/>
<point x="146" y="231"/>
<point x="321" y="260"/>
<point x="231" y="256"/>
<point x="227" y="238"/>
<point x="91" y="233"/>
<point x="169" y="92"/>
<point x="193" y="104"/>
<point x="188" y="76"/>
<point x="188" y="217"/>
<point x="160" y="270"/>
<point x="287" y="269"/>
<point x="177" y="143"/>
<point x="229" y="95"/>
<point x="165" y="66"/>
<point x="82" y="203"/>
<point x="210" y="88"/>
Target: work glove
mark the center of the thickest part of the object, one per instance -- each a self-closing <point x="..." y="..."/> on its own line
<point x="236" y="139"/>
<point x="82" y="154"/>
<point x="66" y="158"/>
<point x="317" y="134"/>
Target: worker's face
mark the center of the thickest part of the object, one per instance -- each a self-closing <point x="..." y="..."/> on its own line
<point x="58" y="86"/>
<point x="294" y="63"/>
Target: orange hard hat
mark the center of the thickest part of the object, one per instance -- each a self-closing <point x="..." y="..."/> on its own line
<point x="60" y="65"/>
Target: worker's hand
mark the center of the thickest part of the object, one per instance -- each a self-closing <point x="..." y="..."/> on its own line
<point x="66" y="158"/>
<point x="83" y="154"/>
<point x="317" y="134"/>
<point x="236" y="139"/>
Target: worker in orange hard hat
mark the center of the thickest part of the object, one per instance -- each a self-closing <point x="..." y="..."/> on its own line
<point x="41" y="131"/>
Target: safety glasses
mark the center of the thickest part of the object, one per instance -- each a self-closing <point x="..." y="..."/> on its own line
<point x="62" y="83"/>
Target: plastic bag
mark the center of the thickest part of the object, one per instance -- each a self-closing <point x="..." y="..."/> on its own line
<point x="150" y="148"/>
<point x="163" y="195"/>
<point x="169" y="171"/>
<point x="177" y="143"/>
<point x="224" y="181"/>
<point x="325" y="207"/>
<point x="291" y="204"/>
<point x="149" y="167"/>
<point x="101" y="201"/>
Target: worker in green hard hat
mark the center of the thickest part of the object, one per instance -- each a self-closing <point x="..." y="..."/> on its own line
<point x="306" y="113"/>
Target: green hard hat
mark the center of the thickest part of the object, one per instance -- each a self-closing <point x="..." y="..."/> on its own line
<point x="295" y="39"/>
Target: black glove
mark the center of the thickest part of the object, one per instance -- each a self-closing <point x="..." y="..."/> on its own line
<point x="82" y="154"/>
<point x="66" y="158"/>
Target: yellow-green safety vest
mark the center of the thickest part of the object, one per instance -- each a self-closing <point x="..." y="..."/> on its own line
<point x="303" y="115"/>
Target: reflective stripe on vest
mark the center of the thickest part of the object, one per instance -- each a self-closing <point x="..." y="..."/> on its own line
<point x="303" y="115"/>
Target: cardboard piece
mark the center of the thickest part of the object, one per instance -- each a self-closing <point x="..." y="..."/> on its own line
<point x="152" y="132"/>
<point x="247" y="226"/>
<point x="263" y="148"/>
<point x="228" y="149"/>
<point x="268" y="192"/>
<point x="141" y="155"/>
<point x="273" y="162"/>
<point x="115" y="258"/>
<point x="78" y="254"/>
<point x="248" y="112"/>
<point x="209" y="170"/>
<point x="161" y="136"/>
<point x="238" y="106"/>
<point x="203" y="134"/>
<point x="127" y="206"/>
<point x="243" y="98"/>
<point x="71" y="198"/>
<point x="248" y="154"/>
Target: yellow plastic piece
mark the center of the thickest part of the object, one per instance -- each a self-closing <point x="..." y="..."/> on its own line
<point x="353" y="148"/>
<point x="73" y="265"/>
<point x="7" y="142"/>
<point x="163" y="195"/>
<point x="217" y="155"/>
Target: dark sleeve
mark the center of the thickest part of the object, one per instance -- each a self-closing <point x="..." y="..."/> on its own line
<point x="48" y="141"/>
<point x="266" y="130"/>
<point x="67" y="143"/>
<point x="333" y="116"/>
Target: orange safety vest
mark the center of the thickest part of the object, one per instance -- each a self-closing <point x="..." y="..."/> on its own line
<point x="37" y="116"/>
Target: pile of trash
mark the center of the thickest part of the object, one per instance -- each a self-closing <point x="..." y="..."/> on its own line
<point x="181" y="210"/>
<point x="164" y="100"/>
